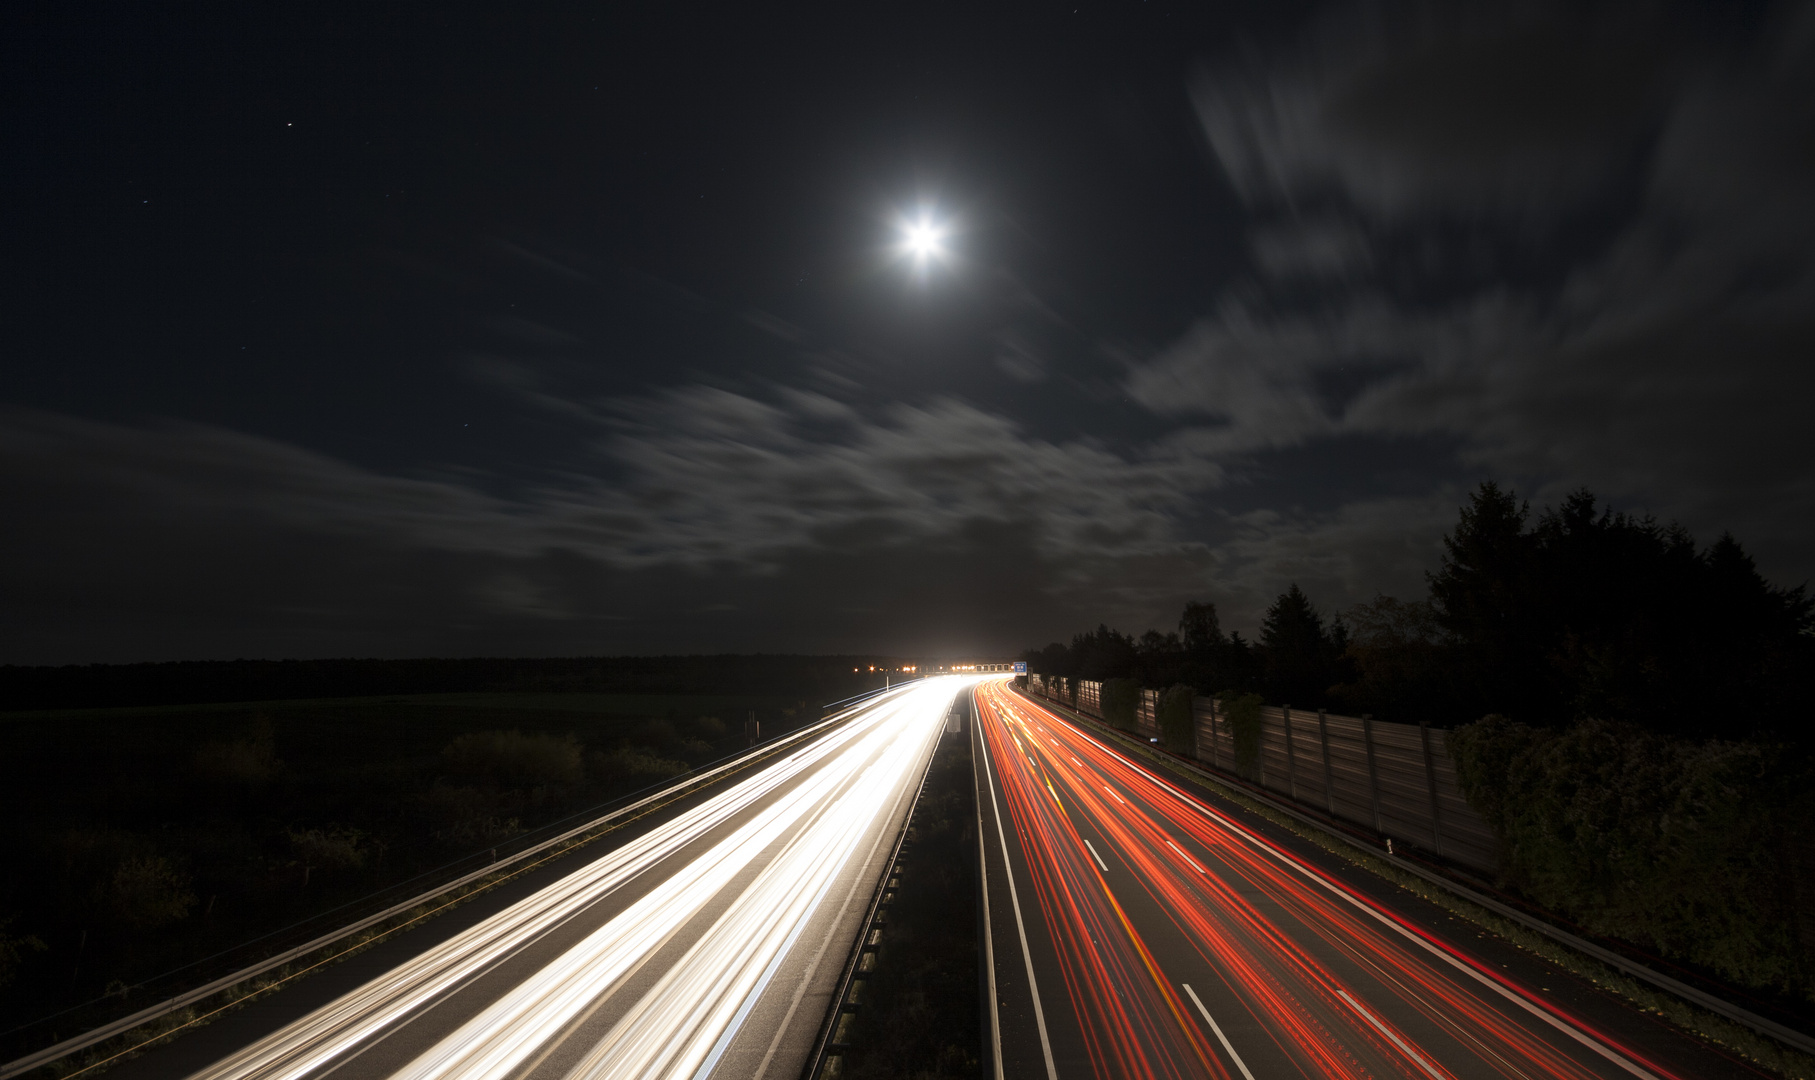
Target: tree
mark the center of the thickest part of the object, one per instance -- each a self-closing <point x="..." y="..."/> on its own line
<point x="1398" y="654"/>
<point x="1121" y="701"/>
<point x="1594" y="613"/>
<point x="1159" y="659"/>
<point x="1205" y="661"/>
<point x="1178" y="720"/>
<point x="1102" y="654"/>
<point x="1301" y="656"/>
<point x="1241" y="712"/>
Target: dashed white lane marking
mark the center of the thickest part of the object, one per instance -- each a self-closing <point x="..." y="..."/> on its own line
<point x="1182" y="855"/>
<point x="1397" y="1041"/>
<point x="1220" y="1037"/>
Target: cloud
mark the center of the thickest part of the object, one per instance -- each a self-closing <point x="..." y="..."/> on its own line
<point x="798" y="520"/>
<point x="1467" y="109"/>
<point x="1327" y="248"/>
<point x="1664" y="366"/>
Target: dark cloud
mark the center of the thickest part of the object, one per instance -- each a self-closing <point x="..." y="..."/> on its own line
<point x="796" y="511"/>
<point x="1665" y="368"/>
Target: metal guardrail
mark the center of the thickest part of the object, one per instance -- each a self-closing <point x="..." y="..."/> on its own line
<point x="873" y="693"/>
<point x="146" y="1015"/>
<point x="1719" y="1006"/>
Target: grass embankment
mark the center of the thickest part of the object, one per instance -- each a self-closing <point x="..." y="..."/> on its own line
<point x="922" y="1006"/>
<point x="142" y="840"/>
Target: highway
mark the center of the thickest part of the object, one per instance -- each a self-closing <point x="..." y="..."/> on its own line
<point x="1140" y="927"/>
<point x="707" y="946"/>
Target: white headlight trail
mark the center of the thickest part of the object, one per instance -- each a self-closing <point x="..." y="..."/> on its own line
<point x="675" y="1028"/>
<point x="840" y="783"/>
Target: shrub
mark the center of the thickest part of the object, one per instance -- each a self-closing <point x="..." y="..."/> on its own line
<point x="250" y="761"/>
<point x="1673" y="844"/>
<point x="1178" y="724"/>
<point x="465" y="817"/>
<point x="13" y="949"/>
<point x="147" y="891"/>
<point x="1121" y="699"/>
<point x="514" y="760"/>
<point x="633" y="767"/>
<point x="337" y="848"/>
<point x="1241" y="712"/>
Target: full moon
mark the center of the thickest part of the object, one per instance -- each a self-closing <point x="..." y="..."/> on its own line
<point x="922" y="240"/>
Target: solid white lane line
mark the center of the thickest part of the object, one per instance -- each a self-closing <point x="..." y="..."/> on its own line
<point x="1220" y="1037"/>
<point x="1182" y="855"/>
<point x="1397" y="1041"/>
<point x="989" y="945"/>
<point x="1008" y="870"/>
<point x="1093" y="854"/>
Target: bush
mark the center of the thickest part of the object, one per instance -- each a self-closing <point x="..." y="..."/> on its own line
<point x="147" y="891"/>
<point x="634" y="767"/>
<point x="338" y="848"/>
<point x="512" y="759"/>
<point x="1242" y="713"/>
<point x="465" y="817"/>
<point x="13" y="949"/>
<point x="1178" y="724"/>
<point x="1676" y="845"/>
<point x="1121" y="702"/>
<point x="246" y="762"/>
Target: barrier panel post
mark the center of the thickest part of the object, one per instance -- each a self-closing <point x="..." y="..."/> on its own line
<point x="1291" y="760"/>
<point x="1367" y="737"/>
<point x="1430" y="779"/>
<point x="1329" y="779"/>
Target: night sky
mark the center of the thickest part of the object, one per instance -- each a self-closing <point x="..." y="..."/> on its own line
<point x="495" y="329"/>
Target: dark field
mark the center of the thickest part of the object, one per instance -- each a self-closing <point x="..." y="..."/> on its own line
<point x="141" y="840"/>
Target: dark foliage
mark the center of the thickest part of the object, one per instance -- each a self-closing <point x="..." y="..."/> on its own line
<point x="1593" y="613"/>
<point x="1121" y="702"/>
<point x="1177" y="722"/>
<point x="1241" y="712"/>
<point x="1302" y="657"/>
<point x="142" y="839"/>
<point x="1686" y="847"/>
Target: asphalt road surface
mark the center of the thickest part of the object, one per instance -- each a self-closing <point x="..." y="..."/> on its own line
<point x="707" y="946"/>
<point x="1141" y="927"/>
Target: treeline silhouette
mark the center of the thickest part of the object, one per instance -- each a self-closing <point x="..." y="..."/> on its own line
<point x="1579" y="611"/>
<point x="209" y="681"/>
